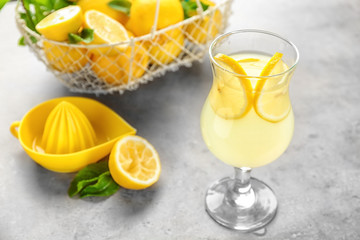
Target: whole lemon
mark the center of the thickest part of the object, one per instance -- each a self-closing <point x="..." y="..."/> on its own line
<point x="204" y="29"/>
<point x="64" y="58"/>
<point x="116" y="69"/>
<point x="142" y="15"/>
<point x="166" y="47"/>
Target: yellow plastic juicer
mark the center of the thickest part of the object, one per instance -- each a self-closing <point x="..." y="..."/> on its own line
<point x="66" y="134"/>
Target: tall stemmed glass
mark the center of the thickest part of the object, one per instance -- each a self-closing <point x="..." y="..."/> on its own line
<point x="247" y="121"/>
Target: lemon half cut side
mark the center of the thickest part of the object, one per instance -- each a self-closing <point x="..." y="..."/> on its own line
<point x="57" y="25"/>
<point x="134" y="163"/>
<point x="106" y="31"/>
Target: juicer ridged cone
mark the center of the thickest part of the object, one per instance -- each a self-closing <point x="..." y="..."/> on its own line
<point x="67" y="130"/>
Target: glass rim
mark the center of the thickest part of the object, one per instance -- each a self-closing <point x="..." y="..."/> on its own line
<point x="254" y="31"/>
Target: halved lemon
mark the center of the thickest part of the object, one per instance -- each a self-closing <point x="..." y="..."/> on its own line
<point x="103" y="6"/>
<point x="106" y="31"/>
<point x="57" y="25"/>
<point x="134" y="163"/>
<point x="230" y="96"/>
<point x="272" y="105"/>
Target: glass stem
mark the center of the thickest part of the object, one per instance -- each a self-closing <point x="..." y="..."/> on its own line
<point x="242" y="180"/>
<point x="241" y="194"/>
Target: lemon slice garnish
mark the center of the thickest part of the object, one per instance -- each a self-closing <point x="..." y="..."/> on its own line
<point x="246" y="60"/>
<point x="269" y="67"/>
<point x="231" y="96"/>
<point x="57" y="25"/>
<point x="274" y="105"/>
<point x="232" y="63"/>
<point x="134" y="163"/>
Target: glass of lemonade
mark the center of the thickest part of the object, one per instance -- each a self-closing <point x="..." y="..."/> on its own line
<point x="247" y="121"/>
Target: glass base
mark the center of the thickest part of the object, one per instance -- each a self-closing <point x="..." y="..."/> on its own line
<point x="249" y="212"/>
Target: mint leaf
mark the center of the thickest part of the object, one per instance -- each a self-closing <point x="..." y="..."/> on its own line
<point x="2" y="3"/>
<point x="21" y="41"/>
<point x="57" y="4"/>
<point x="39" y="14"/>
<point x="28" y="21"/>
<point x="204" y="6"/>
<point x="121" y="5"/>
<point x="86" y="176"/>
<point x="76" y="187"/>
<point x="74" y="38"/>
<point x="105" y="186"/>
<point x="93" y="180"/>
<point x="86" y="36"/>
<point x="33" y="39"/>
<point x="190" y="7"/>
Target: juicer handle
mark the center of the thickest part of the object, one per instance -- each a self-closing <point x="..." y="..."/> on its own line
<point x="14" y="129"/>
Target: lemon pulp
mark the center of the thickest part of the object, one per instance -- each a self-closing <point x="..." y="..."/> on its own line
<point x="134" y="163"/>
<point x="57" y="25"/>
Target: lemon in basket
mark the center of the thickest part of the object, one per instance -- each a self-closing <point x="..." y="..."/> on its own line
<point x="106" y="31"/>
<point x="66" y="59"/>
<point x="57" y="25"/>
<point x="206" y="28"/>
<point x="117" y="69"/>
<point x="102" y="6"/>
<point x="166" y="47"/>
<point x="142" y="15"/>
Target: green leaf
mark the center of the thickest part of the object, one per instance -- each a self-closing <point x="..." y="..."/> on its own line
<point x="47" y="3"/>
<point x="105" y="186"/>
<point x="2" y="3"/>
<point x="26" y="4"/>
<point x="61" y="4"/>
<point x="28" y="21"/>
<point x="39" y="14"/>
<point x="33" y="39"/>
<point x="86" y="36"/>
<point x="121" y="5"/>
<point x="21" y="41"/>
<point x="93" y="180"/>
<point x="76" y="187"/>
<point x="190" y="8"/>
<point x="86" y="176"/>
<point x="74" y="38"/>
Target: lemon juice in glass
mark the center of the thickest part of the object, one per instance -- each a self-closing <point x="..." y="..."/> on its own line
<point x="247" y="121"/>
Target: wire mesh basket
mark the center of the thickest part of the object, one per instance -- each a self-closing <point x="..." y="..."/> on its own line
<point x="114" y="68"/>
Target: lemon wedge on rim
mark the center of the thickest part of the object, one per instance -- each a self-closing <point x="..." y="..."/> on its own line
<point x="231" y="96"/>
<point x="273" y="105"/>
<point x="134" y="163"/>
<point x="57" y="25"/>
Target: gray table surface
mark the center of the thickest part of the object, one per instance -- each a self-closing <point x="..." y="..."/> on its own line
<point x="315" y="180"/>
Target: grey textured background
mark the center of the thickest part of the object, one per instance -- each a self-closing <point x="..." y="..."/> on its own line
<point x="316" y="180"/>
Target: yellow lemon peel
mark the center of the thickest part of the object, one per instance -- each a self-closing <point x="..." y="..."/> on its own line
<point x="272" y="106"/>
<point x="134" y="163"/>
<point x="228" y="102"/>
